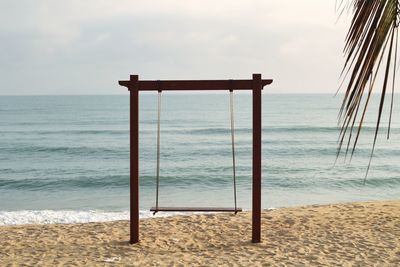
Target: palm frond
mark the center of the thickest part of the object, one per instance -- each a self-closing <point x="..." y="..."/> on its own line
<point x="371" y="39"/>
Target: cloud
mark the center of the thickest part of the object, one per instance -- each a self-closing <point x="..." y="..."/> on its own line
<point x="84" y="47"/>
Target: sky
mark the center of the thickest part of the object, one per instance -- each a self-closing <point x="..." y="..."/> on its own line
<point x="85" y="47"/>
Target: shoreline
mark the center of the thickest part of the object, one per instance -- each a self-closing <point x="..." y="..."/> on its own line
<point x="63" y="217"/>
<point x="356" y="233"/>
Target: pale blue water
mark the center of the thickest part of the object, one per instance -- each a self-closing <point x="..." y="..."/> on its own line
<point x="64" y="156"/>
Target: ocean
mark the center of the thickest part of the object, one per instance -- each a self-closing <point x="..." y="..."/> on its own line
<point x="65" y="159"/>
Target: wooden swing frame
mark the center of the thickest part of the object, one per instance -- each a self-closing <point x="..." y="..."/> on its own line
<point x="135" y="85"/>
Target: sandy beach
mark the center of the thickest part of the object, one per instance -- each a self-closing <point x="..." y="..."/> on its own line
<point x="353" y="234"/>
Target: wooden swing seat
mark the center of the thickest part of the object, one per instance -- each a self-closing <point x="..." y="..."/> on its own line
<point x="195" y="209"/>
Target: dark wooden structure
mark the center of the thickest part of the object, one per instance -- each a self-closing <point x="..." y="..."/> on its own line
<point x="134" y="86"/>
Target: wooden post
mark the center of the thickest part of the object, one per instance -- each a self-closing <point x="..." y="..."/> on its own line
<point x="134" y="159"/>
<point x="257" y="132"/>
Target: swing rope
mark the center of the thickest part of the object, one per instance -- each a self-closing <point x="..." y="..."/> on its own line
<point x="156" y="208"/>
<point x="158" y="149"/>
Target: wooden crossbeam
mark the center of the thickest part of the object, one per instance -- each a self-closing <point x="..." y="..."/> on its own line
<point x="190" y="85"/>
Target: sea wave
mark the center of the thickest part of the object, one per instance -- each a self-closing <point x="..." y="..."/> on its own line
<point x="112" y="181"/>
<point x="66" y="132"/>
<point x="195" y="131"/>
<point x="69" y="150"/>
<point x="266" y="129"/>
<point x="33" y="184"/>
<point x="382" y="182"/>
<point x="272" y="179"/>
<point x="329" y="184"/>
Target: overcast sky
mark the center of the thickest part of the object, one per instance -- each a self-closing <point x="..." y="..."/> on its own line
<point x="85" y="47"/>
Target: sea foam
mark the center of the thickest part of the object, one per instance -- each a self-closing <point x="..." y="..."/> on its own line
<point x="75" y="216"/>
<point x="68" y="216"/>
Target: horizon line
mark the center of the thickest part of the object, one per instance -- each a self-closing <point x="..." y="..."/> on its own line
<point x="179" y="93"/>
